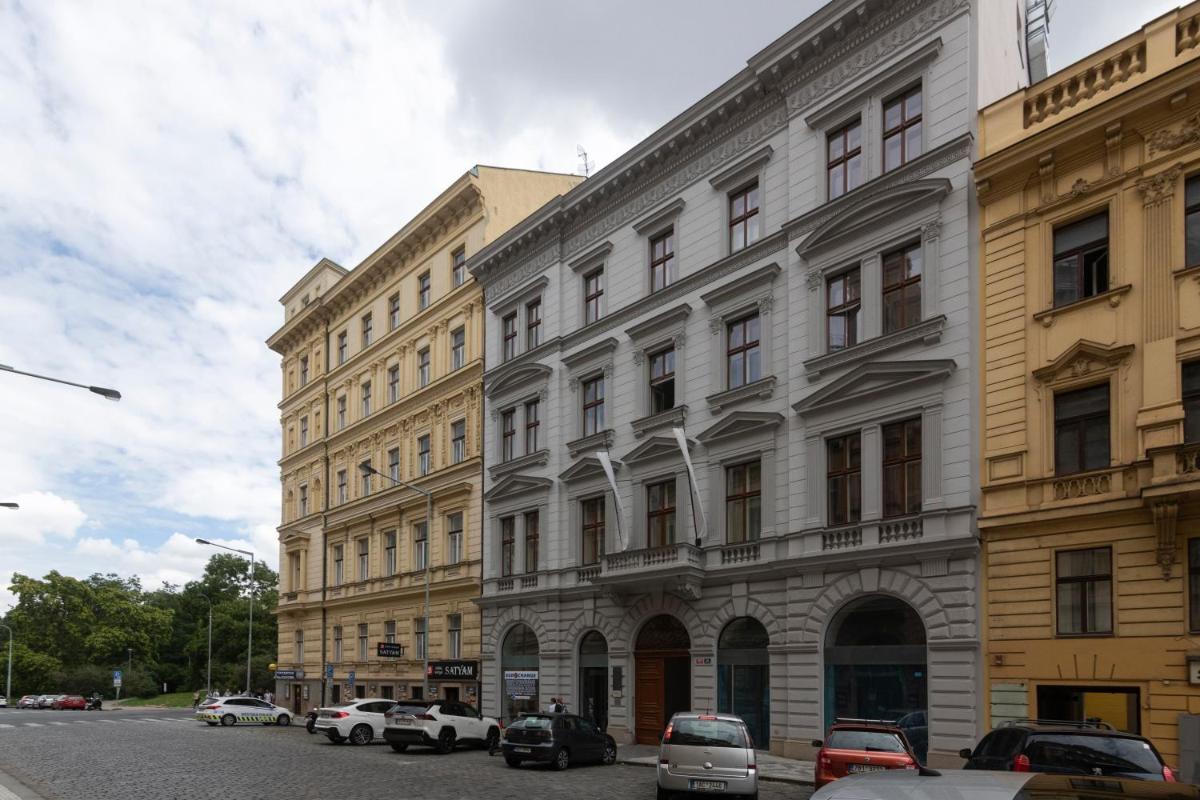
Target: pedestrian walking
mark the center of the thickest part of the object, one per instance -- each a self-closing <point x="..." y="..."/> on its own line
<point x="269" y="696"/>
<point x="195" y="699"/>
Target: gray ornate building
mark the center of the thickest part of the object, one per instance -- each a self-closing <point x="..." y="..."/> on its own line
<point x="784" y="273"/>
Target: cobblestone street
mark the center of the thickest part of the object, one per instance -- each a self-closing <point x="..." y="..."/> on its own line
<point x="148" y="753"/>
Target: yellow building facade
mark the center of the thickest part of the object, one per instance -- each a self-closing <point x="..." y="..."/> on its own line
<point x="1089" y="188"/>
<point x="381" y="379"/>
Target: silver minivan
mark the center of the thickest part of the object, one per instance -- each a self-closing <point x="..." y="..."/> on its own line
<point x="707" y="754"/>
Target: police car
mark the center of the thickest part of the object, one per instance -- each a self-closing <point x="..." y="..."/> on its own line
<point x="232" y="710"/>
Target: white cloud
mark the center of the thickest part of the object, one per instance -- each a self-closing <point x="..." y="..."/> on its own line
<point x="41" y="515"/>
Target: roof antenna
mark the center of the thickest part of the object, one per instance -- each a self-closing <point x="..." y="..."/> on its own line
<point x="585" y="165"/>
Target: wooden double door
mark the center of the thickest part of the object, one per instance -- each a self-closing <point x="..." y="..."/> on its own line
<point x="663" y="687"/>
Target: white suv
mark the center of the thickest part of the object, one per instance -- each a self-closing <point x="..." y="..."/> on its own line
<point x="358" y="722"/>
<point x="441" y="724"/>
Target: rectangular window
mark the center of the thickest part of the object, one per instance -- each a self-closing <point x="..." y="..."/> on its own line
<point x="362" y="642"/>
<point x="743" y="502"/>
<point x="662" y="261"/>
<point x="420" y="545"/>
<point x="454" y="636"/>
<point x="902" y="468"/>
<point x="303" y="501"/>
<point x="394" y="311"/>
<point x="508" y="544"/>
<point x="423" y="291"/>
<point x="423" y="367"/>
<point x="1121" y="708"/>
<point x="1191" y="221"/>
<point x="1081" y="259"/>
<point x="901" y="288"/>
<point x="508" y="344"/>
<point x="532" y="535"/>
<point x="365" y="478"/>
<point x="593" y="295"/>
<point x="389" y="552"/>
<point x="843" y="302"/>
<point x="593" y="529"/>
<point x="337" y="642"/>
<point x="341" y="348"/>
<point x="393" y="378"/>
<point x="303" y="370"/>
<point x="743" y="357"/>
<point x="1081" y="439"/>
<point x="844" y="479"/>
<point x="368" y="330"/>
<point x="341" y="486"/>
<point x="297" y="577"/>
<point x="458" y="267"/>
<point x="341" y="412"/>
<point x="743" y="218"/>
<point x="364" y="559"/>
<point x="593" y="406"/>
<point x="660" y="513"/>
<point x="458" y="441"/>
<point x="1191" y="402"/>
<point x="389" y="631"/>
<point x="419" y="638"/>
<point x="425" y="457"/>
<point x="1083" y="585"/>
<point x="366" y="399"/>
<point x="844" y="159"/>
<point x="532" y="427"/>
<point x="662" y="380"/>
<point x="339" y="573"/>
<point x="533" y="324"/>
<point x="902" y="129"/>
<point x="458" y="348"/>
<point x="394" y="464"/>
<point x="1194" y="584"/>
<point x="300" y="646"/>
<point x="303" y="431"/>
<point x="508" y="434"/>
<point x="454" y="538"/>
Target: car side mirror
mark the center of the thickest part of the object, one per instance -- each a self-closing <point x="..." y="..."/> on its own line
<point x="964" y="753"/>
<point x="817" y="743"/>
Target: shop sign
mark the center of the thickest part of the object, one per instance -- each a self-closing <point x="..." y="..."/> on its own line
<point x="453" y="670"/>
<point x="289" y="674"/>
<point x="521" y="684"/>
<point x="702" y="661"/>
<point x="389" y="649"/>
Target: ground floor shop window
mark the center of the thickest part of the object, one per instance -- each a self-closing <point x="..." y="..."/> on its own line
<point x="1118" y="706"/>
<point x="743" y="676"/>
<point x="593" y="679"/>
<point x="519" y="672"/>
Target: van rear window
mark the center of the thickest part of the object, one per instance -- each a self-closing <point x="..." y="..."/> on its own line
<point x="708" y="733"/>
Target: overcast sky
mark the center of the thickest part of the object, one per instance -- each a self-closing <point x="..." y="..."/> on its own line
<point x="170" y="169"/>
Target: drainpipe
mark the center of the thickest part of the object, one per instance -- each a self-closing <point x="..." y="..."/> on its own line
<point x="324" y="511"/>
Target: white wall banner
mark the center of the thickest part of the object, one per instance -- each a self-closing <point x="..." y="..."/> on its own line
<point x="681" y="437"/>
<point x="606" y="462"/>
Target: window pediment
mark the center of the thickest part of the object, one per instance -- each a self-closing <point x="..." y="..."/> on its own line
<point x="655" y="447"/>
<point x="526" y="294"/>
<point x="1081" y="359"/>
<point x="741" y="423"/>
<point x="520" y="376"/>
<point x="658" y="218"/>
<point x="517" y="485"/>
<point x="874" y="378"/>
<point x="744" y="286"/>
<point x="668" y="320"/>
<point x="873" y="210"/>
<point x="585" y="468"/>
<point x="596" y="352"/>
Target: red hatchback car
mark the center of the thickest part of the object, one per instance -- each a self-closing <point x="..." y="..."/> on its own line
<point x="854" y="746"/>
<point x="72" y="701"/>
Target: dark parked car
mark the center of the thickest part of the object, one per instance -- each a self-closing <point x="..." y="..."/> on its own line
<point x="557" y="739"/>
<point x="1068" y="748"/>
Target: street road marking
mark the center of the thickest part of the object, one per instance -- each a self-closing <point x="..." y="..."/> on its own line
<point x="34" y="725"/>
<point x="5" y="726"/>
<point x="60" y="723"/>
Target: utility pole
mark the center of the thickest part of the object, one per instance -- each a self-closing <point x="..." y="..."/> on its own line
<point x="8" y="678"/>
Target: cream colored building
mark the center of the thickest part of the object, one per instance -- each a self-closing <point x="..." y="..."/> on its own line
<point x="383" y="365"/>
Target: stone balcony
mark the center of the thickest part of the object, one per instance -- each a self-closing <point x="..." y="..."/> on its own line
<point x="678" y="568"/>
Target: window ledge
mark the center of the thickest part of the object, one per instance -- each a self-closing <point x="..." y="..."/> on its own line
<point x="760" y="389"/>
<point x="928" y="331"/>
<point x="535" y="458"/>
<point x="597" y="440"/>
<point x="671" y="417"/>
<point x="1113" y="296"/>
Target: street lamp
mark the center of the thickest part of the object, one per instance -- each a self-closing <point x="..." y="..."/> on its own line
<point x="8" y="678"/>
<point x="208" y="671"/>
<point x="366" y="469"/>
<point x="10" y="506"/>
<point x="250" y="637"/>
<point x="108" y="394"/>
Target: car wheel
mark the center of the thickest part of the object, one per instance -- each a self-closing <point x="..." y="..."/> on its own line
<point x="399" y="747"/>
<point x="562" y="759"/>
<point x="335" y="737"/>
<point x="228" y="719"/>
<point x="492" y="741"/>
<point x="445" y="740"/>
<point x="283" y="720"/>
<point x="609" y="756"/>
<point x="208" y="722"/>
<point x="512" y="762"/>
<point x="311" y="725"/>
<point x="663" y="794"/>
<point x="361" y="734"/>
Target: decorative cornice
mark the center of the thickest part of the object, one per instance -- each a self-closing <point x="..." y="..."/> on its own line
<point x="743" y="286"/>
<point x="527" y="293"/>
<point x="660" y="323"/>
<point x="761" y="389"/>
<point x="582" y="358"/>
<point x="591" y="257"/>
<point x="652" y="221"/>
<point x="526" y="359"/>
<point x="672" y="417"/>
<point x="1083" y="358"/>
<point x="494" y="290"/>
<point x="602" y="440"/>
<point x="537" y="458"/>
<point x="1160" y="186"/>
<point x="927" y="331"/>
<point x="745" y="168"/>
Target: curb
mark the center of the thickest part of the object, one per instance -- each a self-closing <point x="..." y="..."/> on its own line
<point x="761" y="777"/>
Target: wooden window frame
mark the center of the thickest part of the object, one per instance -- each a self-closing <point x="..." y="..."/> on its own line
<point x="847" y="309"/>
<point x="458" y="348"/>
<point x="902" y="460"/>
<point x="365" y="397"/>
<point x="458" y="444"/>
<point x="508" y="434"/>
<point x="661" y="380"/>
<point x="343" y="347"/>
<point x="394" y="466"/>
<point x="533" y="323"/>
<point x="424" y="367"/>
<point x="533" y="424"/>
<point x="661" y="518"/>
<point x="744" y="497"/>
<point x="532" y="541"/>
<point x="744" y="350"/>
<point x="452" y="531"/>
<point x="592" y="532"/>
<point x="393" y="374"/>
<point x="424" y="290"/>
<point x="1080" y="423"/>
<point x="421" y="545"/>
<point x="508" y="545"/>
<point x="425" y="454"/>
<point x="1191" y="211"/>
<point x="593" y="298"/>
<point x="901" y="129"/>
<point x="1079" y="254"/>
<point x="394" y="311"/>
<point x="368" y="330"/>
<point x="303" y="370"/>
<point x="458" y="267"/>
<point x="661" y="265"/>
<point x="1086" y="579"/>
<point x="743" y="220"/>
<point x="844" y="478"/>
<point x="595" y="405"/>
<point x="842" y="162"/>
<point x="508" y="337"/>
<point x="902" y="288"/>
<point x="1189" y="397"/>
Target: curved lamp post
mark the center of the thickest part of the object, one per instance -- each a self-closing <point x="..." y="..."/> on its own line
<point x="250" y="636"/>
<point x="107" y="394"/>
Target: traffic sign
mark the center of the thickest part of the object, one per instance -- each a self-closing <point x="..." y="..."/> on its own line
<point x="116" y="678"/>
<point x="329" y="671"/>
<point x="350" y="680"/>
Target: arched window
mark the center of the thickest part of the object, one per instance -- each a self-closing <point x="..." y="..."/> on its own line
<point x="519" y="667"/>
<point x="744" y="676"/>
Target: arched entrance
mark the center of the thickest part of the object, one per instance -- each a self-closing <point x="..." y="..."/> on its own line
<point x="744" y="677"/>
<point x="664" y="678"/>
<point x="519" y="671"/>
<point x="875" y="666"/>
<point x="593" y="679"/>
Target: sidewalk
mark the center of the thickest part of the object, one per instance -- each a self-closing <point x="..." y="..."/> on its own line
<point x="770" y="767"/>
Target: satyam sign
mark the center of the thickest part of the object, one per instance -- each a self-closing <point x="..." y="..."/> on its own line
<point x="453" y="670"/>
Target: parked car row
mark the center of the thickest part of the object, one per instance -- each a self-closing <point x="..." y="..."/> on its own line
<point x="55" y="701"/>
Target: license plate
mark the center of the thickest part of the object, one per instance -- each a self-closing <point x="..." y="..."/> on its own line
<point x="402" y="722"/>
<point x="706" y="786"/>
<point x="522" y="750"/>
<point x="866" y="768"/>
